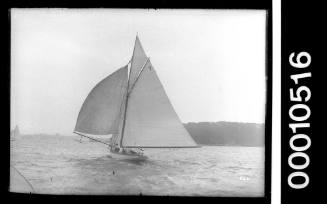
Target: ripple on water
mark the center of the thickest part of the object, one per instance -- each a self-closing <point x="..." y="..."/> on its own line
<point x="64" y="166"/>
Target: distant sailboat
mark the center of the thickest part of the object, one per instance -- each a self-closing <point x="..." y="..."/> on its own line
<point x="14" y="134"/>
<point x="132" y="106"/>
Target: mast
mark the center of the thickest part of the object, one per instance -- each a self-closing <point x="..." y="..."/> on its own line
<point x="125" y="109"/>
<point x="126" y="102"/>
<point x="132" y="85"/>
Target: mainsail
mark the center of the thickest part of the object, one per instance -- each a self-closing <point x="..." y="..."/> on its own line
<point x="151" y="120"/>
<point x="102" y="106"/>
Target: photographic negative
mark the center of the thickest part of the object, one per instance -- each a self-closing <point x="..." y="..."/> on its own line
<point x="138" y="101"/>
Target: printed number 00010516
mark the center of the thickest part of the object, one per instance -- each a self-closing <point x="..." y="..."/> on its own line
<point x="299" y="120"/>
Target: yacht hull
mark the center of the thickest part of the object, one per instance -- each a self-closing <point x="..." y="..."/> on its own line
<point x="118" y="155"/>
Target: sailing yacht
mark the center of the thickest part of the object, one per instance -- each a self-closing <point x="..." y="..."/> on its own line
<point x="132" y="106"/>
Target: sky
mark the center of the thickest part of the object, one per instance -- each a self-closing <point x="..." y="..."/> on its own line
<point x="210" y="62"/>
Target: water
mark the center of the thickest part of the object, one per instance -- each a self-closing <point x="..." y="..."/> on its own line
<point x="62" y="165"/>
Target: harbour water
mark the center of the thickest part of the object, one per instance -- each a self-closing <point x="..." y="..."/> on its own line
<point x="63" y="165"/>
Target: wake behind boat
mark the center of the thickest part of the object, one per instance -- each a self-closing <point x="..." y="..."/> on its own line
<point x="132" y="106"/>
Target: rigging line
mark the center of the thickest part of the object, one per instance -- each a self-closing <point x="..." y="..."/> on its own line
<point x="91" y="138"/>
<point x="24" y="178"/>
<point x="129" y="74"/>
<point x="138" y="76"/>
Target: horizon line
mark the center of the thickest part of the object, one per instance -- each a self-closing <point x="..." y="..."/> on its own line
<point x="72" y="133"/>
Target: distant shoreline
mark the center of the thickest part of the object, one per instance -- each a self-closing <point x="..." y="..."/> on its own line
<point x="227" y="133"/>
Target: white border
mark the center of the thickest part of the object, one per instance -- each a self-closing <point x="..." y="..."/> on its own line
<point x="276" y="104"/>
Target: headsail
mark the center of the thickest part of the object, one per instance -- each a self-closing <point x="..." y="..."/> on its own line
<point x="151" y="120"/>
<point x="102" y="106"/>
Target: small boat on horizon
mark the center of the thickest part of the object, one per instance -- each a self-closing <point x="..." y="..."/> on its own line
<point x="14" y="134"/>
<point x="132" y="106"/>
